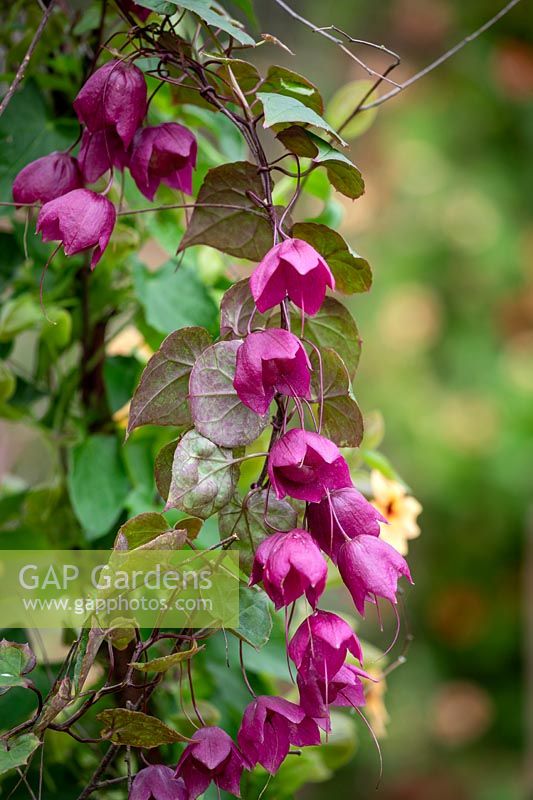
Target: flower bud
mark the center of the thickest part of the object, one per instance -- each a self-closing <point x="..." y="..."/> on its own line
<point x="47" y="178"/>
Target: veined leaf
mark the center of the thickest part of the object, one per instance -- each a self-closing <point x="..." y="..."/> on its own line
<point x="283" y="110"/>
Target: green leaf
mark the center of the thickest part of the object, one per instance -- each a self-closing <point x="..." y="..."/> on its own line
<point x="255" y="618"/>
<point x="352" y="273"/>
<point x="161" y="397"/>
<point x="245" y="74"/>
<point x="252" y="520"/>
<point x="121" y="374"/>
<point x="282" y="81"/>
<point x="136" y="729"/>
<point x="345" y="101"/>
<point x="204" y="476"/>
<point x="280" y="110"/>
<point x="18" y="315"/>
<point x="16" y="660"/>
<point x="163" y="467"/>
<point x="141" y="529"/>
<point x="244" y="231"/>
<point x="342" y="420"/>
<point x="97" y="484"/>
<point x="165" y="663"/>
<point x="216" y="409"/>
<point x="208" y="11"/>
<point x="20" y="749"/>
<point x="174" y="298"/>
<point x="164" y="7"/>
<point x="342" y="173"/>
<point x="333" y="326"/>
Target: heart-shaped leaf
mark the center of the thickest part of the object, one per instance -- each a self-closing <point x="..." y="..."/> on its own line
<point x="253" y="520"/>
<point x="333" y="326"/>
<point x="204" y="476"/>
<point x="236" y="310"/>
<point x="255" y="618"/>
<point x="342" y="421"/>
<point x="16" y="660"/>
<point x="352" y="273"/>
<point x="226" y="218"/>
<point x="161" y="397"/>
<point x="20" y="749"/>
<point x="122" y="726"/>
<point x="215" y="406"/>
<point x="280" y="109"/>
<point x="283" y="81"/>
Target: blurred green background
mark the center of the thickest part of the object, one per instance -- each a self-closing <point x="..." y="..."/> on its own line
<point x="446" y="223"/>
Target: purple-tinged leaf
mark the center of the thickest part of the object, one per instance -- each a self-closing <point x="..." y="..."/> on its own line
<point x="216" y="409"/>
<point x="244" y="231"/>
<point x="342" y="420"/>
<point x="253" y="521"/>
<point x="161" y="396"/>
<point x="140" y="530"/>
<point x="352" y="273"/>
<point x="236" y="310"/>
<point x="334" y="327"/>
<point x="204" y="476"/>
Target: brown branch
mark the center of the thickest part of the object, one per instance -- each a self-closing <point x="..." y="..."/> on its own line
<point x="26" y="60"/>
<point x="441" y="59"/>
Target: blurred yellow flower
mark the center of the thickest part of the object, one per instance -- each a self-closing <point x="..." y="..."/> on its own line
<point x="376" y="712"/>
<point x="399" y="509"/>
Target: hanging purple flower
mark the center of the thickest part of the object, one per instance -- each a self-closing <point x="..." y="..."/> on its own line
<point x="317" y="694"/>
<point x="211" y="756"/>
<point x="269" y="727"/>
<point x="268" y="362"/>
<point x="295" y="270"/>
<point x="370" y="568"/>
<point x="158" y="782"/>
<point x="305" y="465"/>
<point x="79" y="220"/>
<point x="290" y="565"/>
<point x="345" y="513"/>
<point x="163" y="154"/>
<point x="47" y="178"/>
<point x="323" y="640"/>
<point x="113" y="97"/>
<point x="99" y="152"/>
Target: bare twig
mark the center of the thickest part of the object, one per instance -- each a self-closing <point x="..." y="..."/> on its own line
<point x="441" y="59"/>
<point x="325" y="33"/>
<point x="26" y="60"/>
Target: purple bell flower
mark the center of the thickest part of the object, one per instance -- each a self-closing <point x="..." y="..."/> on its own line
<point x="295" y="270"/>
<point x="371" y="568"/>
<point x="344" y="514"/>
<point x="344" y="689"/>
<point x="211" y="756"/>
<point x="113" y="97"/>
<point x="269" y="727"/>
<point x="158" y="782"/>
<point x="268" y="362"/>
<point x="99" y="152"/>
<point x="305" y="465"/>
<point x="163" y="154"/>
<point x="290" y="565"/>
<point x="79" y="220"/>
<point x="47" y="178"/>
<point x="322" y="641"/>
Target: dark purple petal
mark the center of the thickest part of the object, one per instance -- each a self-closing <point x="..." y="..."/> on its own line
<point x="371" y="568"/>
<point x="46" y="179"/>
<point x="79" y="220"/>
<point x="158" y="782"/>
<point x="345" y="513"/>
<point x="113" y="97"/>
<point x="324" y="638"/>
<point x="163" y="154"/>
<point x="99" y="152"/>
